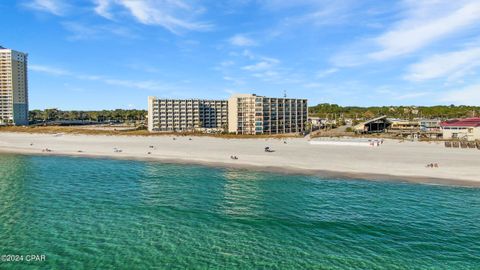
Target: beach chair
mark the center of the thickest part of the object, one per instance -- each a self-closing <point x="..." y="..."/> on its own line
<point x="456" y="144"/>
<point x="463" y="144"/>
<point x="478" y="145"/>
<point x="448" y="144"/>
<point x="472" y="145"/>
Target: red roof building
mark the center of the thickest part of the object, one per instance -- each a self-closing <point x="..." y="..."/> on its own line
<point x="467" y="122"/>
<point x="465" y="129"/>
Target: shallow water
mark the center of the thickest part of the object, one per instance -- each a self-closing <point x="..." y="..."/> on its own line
<point x="114" y="214"/>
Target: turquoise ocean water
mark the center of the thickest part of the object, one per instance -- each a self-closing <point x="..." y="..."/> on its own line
<point x="116" y="214"/>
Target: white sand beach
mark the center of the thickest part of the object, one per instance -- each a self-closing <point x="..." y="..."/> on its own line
<point x="393" y="160"/>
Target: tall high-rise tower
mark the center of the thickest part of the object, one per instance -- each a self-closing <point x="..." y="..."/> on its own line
<point x="13" y="87"/>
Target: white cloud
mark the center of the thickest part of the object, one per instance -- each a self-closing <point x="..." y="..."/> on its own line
<point x="411" y="95"/>
<point x="248" y="54"/>
<point x="229" y="91"/>
<point x="102" y="8"/>
<point x="421" y="24"/>
<point x="233" y="80"/>
<point x="82" y="31"/>
<point x="307" y="14"/>
<point x="242" y="41"/>
<point x="143" y="67"/>
<point x="323" y="13"/>
<point x="426" y="22"/>
<point x="145" y="84"/>
<point x="224" y="66"/>
<point x="49" y="70"/>
<point x="353" y="54"/>
<point x="174" y="16"/>
<point x="449" y="65"/>
<point x="327" y="72"/>
<point x="313" y="85"/>
<point x="265" y="64"/>
<point x="269" y="69"/>
<point x="275" y="5"/>
<point x="227" y="63"/>
<point x="267" y="75"/>
<point x="469" y="95"/>
<point x="51" y="6"/>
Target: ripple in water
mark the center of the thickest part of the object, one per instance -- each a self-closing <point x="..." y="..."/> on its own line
<point x="111" y="214"/>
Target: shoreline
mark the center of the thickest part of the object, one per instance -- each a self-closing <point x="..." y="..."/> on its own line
<point x="344" y="162"/>
<point x="272" y="169"/>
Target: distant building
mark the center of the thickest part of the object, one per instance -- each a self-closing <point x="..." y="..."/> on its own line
<point x="316" y="122"/>
<point x="404" y="125"/>
<point x="430" y="125"/>
<point x="463" y="129"/>
<point x="13" y="87"/>
<point x="426" y="128"/>
<point x="252" y="114"/>
<point x="187" y="114"/>
<point x="241" y="114"/>
<point x="375" y="125"/>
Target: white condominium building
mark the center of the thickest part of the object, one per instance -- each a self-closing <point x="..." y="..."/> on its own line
<point x="187" y="114"/>
<point x="13" y="87"/>
<point x="252" y="114"/>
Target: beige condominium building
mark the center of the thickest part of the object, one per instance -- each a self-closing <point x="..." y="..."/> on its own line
<point x="187" y="114"/>
<point x="252" y="114"/>
<point x="13" y="87"/>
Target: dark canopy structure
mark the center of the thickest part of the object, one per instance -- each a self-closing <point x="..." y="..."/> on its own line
<point x="375" y="125"/>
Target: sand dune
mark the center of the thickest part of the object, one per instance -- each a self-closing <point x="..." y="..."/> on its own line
<point x="392" y="160"/>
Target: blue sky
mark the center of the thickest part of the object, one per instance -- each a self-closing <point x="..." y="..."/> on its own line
<point x="106" y="54"/>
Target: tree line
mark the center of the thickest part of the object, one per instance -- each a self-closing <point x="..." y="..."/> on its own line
<point x="324" y="110"/>
<point x="327" y="110"/>
<point x="118" y="115"/>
